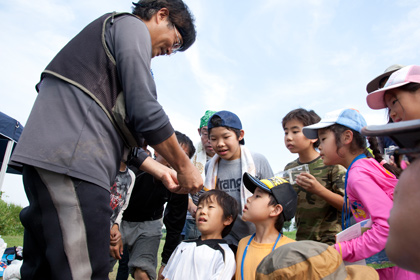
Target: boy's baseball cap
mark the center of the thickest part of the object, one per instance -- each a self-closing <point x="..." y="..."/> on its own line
<point x="205" y="119"/>
<point x="281" y="189"/>
<point x="229" y="119"/>
<point x="308" y="259"/>
<point x="406" y="75"/>
<point x="374" y="84"/>
<point x="350" y="118"/>
<point x="406" y="134"/>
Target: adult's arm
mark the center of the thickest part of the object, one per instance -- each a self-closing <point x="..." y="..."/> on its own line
<point x="129" y="41"/>
<point x="188" y="176"/>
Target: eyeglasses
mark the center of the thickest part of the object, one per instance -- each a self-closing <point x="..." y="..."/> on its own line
<point x="177" y="45"/>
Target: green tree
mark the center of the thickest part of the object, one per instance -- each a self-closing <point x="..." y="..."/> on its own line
<point x="9" y="219"/>
<point x="287" y="225"/>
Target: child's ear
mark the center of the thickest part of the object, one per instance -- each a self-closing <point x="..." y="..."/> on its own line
<point x="276" y="211"/>
<point x="228" y="221"/>
<point x="347" y="137"/>
<point x="241" y="136"/>
<point x="313" y="140"/>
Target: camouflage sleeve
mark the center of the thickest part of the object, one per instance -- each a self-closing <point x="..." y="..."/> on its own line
<point x="338" y="173"/>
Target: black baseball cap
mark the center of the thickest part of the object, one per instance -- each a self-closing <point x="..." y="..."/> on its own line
<point x="280" y="188"/>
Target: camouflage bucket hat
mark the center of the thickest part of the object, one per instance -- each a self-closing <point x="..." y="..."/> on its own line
<point x="310" y="260"/>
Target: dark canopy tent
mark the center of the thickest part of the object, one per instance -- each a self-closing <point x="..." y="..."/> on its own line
<point x="10" y="131"/>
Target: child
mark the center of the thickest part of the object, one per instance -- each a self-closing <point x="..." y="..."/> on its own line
<point x="368" y="186"/>
<point x="402" y="246"/>
<point x="208" y="257"/>
<point x="141" y="221"/>
<point x="204" y="152"/>
<point x="401" y="95"/>
<point x="224" y="171"/>
<point x="119" y="198"/>
<point x="320" y="192"/>
<point x="273" y="202"/>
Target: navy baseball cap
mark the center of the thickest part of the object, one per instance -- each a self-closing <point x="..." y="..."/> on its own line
<point x="280" y="188"/>
<point x="228" y="119"/>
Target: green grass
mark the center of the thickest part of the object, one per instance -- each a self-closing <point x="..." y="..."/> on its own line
<point x="290" y="234"/>
<point x="13" y="240"/>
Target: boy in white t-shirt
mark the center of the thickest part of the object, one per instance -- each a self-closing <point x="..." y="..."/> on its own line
<point x="208" y="257"/>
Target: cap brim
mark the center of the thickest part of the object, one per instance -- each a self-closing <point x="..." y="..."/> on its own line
<point x="251" y="183"/>
<point x="374" y="84"/>
<point x="311" y="131"/>
<point x="406" y="134"/>
<point x="375" y="100"/>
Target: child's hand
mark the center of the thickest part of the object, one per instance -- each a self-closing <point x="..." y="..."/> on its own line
<point x="117" y="250"/>
<point x="309" y="183"/>
<point x="192" y="209"/>
<point x="160" y="276"/>
<point x="115" y="235"/>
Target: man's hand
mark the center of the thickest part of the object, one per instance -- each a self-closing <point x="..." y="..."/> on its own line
<point x="188" y="177"/>
<point x="188" y="180"/>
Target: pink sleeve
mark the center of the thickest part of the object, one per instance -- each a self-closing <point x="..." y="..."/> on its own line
<point x="363" y="188"/>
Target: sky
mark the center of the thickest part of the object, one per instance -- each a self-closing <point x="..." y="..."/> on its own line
<point x="258" y="59"/>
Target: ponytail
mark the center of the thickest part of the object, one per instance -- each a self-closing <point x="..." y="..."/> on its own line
<point x="374" y="147"/>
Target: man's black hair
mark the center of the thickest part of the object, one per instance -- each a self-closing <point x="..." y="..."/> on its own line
<point x="185" y="140"/>
<point x="228" y="204"/>
<point x="179" y="15"/>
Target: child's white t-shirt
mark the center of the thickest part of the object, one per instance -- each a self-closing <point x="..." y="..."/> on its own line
<point x="201" y="259"/>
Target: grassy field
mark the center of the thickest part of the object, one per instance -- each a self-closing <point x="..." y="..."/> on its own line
<point x="13" y="240"/>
